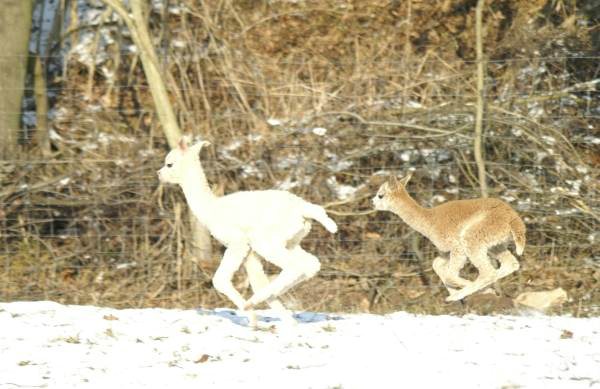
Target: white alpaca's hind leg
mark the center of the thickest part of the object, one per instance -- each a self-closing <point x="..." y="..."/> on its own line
<point x="296" y="265"/>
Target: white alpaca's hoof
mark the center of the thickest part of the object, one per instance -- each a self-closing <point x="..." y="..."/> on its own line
<point x="252" y="320"/>
<point x="454" y="297"/>
<point x="458" y="295"/>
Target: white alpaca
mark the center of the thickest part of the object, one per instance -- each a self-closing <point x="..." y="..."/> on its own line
<point x="270" y="223"/>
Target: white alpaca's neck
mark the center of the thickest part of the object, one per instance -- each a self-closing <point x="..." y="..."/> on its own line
<point x="416" y="216"/>
<point x="198" y="194"/>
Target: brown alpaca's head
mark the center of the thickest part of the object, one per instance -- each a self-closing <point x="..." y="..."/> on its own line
<point x="390" y="192"/>
<point x="180" y="160"/>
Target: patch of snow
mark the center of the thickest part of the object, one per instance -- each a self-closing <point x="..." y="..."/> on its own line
<point x="286" y="162"/>
<point x="45" y="344"/>
<point x="341" y="191"/>
<point x="536" y="110"/>
<point x="438" y="199"/>
<point x="175" y="9"/>
<point x="236" y="144"/>
<point x="290" y="183"/>
<point x="549" y="139"/>
<point x="251" y="171"/>
<point x="582" y="169"/>
<point x="575" y="187"/>
<point x="253" y="138"/>
<point x="413" y="104"/>
<point x="29" y="118"/>
<point x="274" y="122"/>
<point x="320" y="131"/>
<point x="41" y="29"/>
<point x="594" y="140"/>
<point x="405" y="155"/>
<point x="566" y="212"/>
<point x="147" y="152"/>
<point x="178" y="43"/>
<point x="508" y="198"/>
<point x="122" y="266"/>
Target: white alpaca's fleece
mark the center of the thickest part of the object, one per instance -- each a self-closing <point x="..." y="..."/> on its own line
<point x="270" y="223"/>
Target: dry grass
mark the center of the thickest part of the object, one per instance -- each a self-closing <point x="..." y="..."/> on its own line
<point x="393" y="86"/>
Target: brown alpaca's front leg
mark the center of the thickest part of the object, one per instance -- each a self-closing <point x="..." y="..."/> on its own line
<point x="448" y="270"/>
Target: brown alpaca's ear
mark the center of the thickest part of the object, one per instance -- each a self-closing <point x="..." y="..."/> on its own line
<point x="405" y="179"/>
<point x="393" y="182"/>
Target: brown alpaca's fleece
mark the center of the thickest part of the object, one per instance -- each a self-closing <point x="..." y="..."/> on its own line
<point x="464" y="229"/>
<point x="482" y="222"/>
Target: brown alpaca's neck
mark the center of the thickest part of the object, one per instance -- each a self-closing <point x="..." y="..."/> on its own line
<point x="413" y="214"/>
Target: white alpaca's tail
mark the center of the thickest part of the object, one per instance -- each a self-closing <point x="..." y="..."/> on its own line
<point x="318" y="213"/>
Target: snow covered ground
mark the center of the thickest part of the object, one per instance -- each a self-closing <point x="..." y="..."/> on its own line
<point x="48" y="345"/>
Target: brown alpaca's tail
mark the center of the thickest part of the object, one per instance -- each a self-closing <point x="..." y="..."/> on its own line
<point x="517" y="229"/>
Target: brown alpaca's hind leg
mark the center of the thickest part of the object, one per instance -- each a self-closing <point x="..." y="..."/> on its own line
<point x="487" y="273"/>
<point x="508" y="264"/>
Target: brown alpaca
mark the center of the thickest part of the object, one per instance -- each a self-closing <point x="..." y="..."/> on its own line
<point x="461" y="230"/>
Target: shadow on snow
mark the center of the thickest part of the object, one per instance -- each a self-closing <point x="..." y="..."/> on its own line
<point x="235" y="318"/>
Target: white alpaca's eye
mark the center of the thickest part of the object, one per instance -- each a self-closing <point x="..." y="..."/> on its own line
<point x="380" y="195"/>
<point x="169" y="165"/>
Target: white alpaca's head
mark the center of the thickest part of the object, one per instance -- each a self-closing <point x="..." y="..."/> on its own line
<point x="180" y="160"/>
<point x="390" y="192"/>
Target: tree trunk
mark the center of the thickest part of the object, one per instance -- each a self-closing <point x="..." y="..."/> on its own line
<point x="200" y="245"/>
<point x="480" y="106"/>
<point x="15" y="25"/>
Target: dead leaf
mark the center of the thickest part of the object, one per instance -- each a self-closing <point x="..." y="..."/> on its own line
<point x="202" y="359"/>
<point x="566" y="334"/>
<point x="110" y="317"/>
<point x="372" y="235"/>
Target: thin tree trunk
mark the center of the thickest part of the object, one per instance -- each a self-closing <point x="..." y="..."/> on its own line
<point x="15" y="25"/>
<point x="200" y="245"/>
<point x="477" y="149"/>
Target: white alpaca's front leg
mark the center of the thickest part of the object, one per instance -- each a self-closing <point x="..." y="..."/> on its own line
<point x="231" y="262"/>
<point x="259" y="280"/>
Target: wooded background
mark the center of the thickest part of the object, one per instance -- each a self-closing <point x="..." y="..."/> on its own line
<point x="322" y="98"/>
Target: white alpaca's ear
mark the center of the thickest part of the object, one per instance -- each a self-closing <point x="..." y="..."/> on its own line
<point x="198" y="146"/>
<point x="183" y="143"/>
